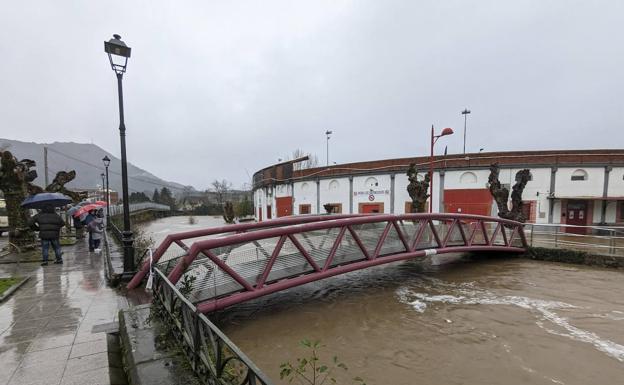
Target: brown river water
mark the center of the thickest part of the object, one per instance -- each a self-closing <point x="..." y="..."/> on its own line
<point x="491" y="320"/>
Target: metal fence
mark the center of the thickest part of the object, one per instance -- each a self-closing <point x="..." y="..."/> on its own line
<point x="214" y="358"/>
<point x="118" y="209"/>
<point x="606" y="240"/>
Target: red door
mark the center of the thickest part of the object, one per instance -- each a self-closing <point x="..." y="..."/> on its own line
<point x="468" y="201"/>
<point x="577" y="215"/>
<point x="268" y="212"/>
<point x="284" y="206"/>
<point x="371" y="208"/>
<point x="259" y="214"/>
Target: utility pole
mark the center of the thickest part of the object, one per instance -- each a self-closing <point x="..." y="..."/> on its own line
<point x="465" y="112"/>
<point x="45" y="165"/>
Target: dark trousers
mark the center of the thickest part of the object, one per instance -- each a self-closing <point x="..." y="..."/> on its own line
<point x="91" y="247"/>
<point x="45" y="246"/>
<point x="96" y="243"/>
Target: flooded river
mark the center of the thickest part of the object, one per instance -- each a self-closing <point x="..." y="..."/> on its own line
<point x="483" y="321"/>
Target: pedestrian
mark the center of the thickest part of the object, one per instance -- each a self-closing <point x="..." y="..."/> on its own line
<point x="96" y="228"/>
<point x="79" y="226"/>
<point x="48" y="223"/>
<point x="87" y="220"/>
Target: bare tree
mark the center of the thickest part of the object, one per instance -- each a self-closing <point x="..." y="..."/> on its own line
<point x="221" y="189"/>
<point x="311" y="162"/>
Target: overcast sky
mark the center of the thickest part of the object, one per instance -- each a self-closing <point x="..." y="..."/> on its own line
<point x="222" y="89"/>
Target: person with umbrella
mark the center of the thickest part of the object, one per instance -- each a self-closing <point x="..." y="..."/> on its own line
<point x="47" y="222"/>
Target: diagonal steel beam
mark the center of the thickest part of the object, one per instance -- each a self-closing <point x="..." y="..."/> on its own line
<point x="270" y="262"/>
<point x="359" y="242"/>
<point x="334" y="248"/>
<point x="401" y="235"/>
<point x="305" y="254"/>
<point x="435" y="233"/>
<point x="422" y="225"/>
<point x="382" y="239"/>
<point x="494" y="234"/>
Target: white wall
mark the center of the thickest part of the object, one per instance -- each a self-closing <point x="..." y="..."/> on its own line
<point x="362" y="186"/>
<point x="305" y="193"/>
<point x="453" y="179"/>
<point x="592" y="186"/>
<point x="400" y="193"/>
<point x="616" y="182"/>
<point x="335" y="191"/>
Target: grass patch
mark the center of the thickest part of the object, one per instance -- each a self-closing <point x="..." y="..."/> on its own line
<point x="6" y="283"/>
<point x="68" y="241"/>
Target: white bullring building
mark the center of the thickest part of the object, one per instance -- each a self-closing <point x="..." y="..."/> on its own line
<point x="578" y="187"/>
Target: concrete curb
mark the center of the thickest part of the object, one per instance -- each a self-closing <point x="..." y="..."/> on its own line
<point x="13" y="288"/>
<point x="146" y="357"/>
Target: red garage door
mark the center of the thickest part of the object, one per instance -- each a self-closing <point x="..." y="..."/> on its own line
<point x="468" y="201"/>
<point x="284" y="206"/>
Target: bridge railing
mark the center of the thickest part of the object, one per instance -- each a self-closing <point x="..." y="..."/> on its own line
<point x="238" y="267"/>
<point x="175" y="246"/>
<point x="118" y="209"/>
<point x="211" y="354"/>
<point x="605" y="240"/>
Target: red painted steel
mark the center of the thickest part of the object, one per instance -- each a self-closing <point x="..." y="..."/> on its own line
<point x="286" y="229"/>
<point x="240" y="228"/>
<point x="221" y="303"/>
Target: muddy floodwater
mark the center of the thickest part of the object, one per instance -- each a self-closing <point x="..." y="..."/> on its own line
<point x="473" y="321"/>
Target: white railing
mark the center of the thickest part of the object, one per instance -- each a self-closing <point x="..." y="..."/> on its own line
<point x="118" y="209"/>
<point x="608" y="240"/>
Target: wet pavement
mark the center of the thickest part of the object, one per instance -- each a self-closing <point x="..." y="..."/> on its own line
<point x="53" y="329"/>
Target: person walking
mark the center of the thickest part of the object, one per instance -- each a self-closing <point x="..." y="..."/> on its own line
<point x="79" y="226"/>
<point x="87" y="221"/>
<point x="48" y="223"/>
<point x="96" y="228"/>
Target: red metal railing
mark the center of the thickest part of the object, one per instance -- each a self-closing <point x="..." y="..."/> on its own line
<point x="179" y="239"/>
<point x="238" y="267"/>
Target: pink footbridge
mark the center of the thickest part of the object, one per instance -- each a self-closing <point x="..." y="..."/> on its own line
<point x="227" y="265"/>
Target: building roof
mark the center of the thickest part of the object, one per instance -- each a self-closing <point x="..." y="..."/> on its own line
<point x="283" y="172"/>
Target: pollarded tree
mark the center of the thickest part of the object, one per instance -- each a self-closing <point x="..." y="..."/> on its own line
<point x="417" y="189"/>
<point x="501" y="194"/>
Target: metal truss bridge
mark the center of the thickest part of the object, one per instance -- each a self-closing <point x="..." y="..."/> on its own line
<point x="235" y="263"/>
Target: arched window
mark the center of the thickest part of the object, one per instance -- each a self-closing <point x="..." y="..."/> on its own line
<point x="334" y="185"/>
<point x="371" y="183"/>
<point x="305" y="187"/>
<point x="468" y="177"/>
<point x="579" y="175"/>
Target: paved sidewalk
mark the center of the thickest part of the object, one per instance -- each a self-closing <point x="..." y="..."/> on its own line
<point x="53" y="329"/>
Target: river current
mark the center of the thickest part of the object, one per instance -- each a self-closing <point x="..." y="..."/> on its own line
<point x="491" y="320"/>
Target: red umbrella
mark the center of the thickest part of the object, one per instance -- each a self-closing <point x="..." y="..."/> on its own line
<point x="100" y="203"/>
<point x="85" y="209"/>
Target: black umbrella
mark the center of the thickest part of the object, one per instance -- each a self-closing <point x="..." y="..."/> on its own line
<point x="38" y="201"/>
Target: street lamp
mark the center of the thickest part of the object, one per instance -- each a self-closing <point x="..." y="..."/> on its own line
<point x="118" y="54"/>
<point x="465" y="112"/>
<point x="106" y="162"/>
<point x="434" y="139"/>
<point x="328" y="133"/>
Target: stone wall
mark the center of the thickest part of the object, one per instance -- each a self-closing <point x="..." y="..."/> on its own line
<point x="574" y="257"/>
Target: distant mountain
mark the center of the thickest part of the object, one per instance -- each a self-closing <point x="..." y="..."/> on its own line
<point x="86" y="160"/>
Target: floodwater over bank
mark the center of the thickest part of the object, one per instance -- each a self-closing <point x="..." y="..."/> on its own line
<point x="490" y="321"/>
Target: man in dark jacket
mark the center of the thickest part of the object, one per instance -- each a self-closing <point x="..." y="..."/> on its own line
<point x="49" y="225"/>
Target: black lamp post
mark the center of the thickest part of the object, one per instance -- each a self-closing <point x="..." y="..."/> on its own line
<point x="102" y="197"/>
<point x="118" y="54"/>
<point x="106" y="162"/>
